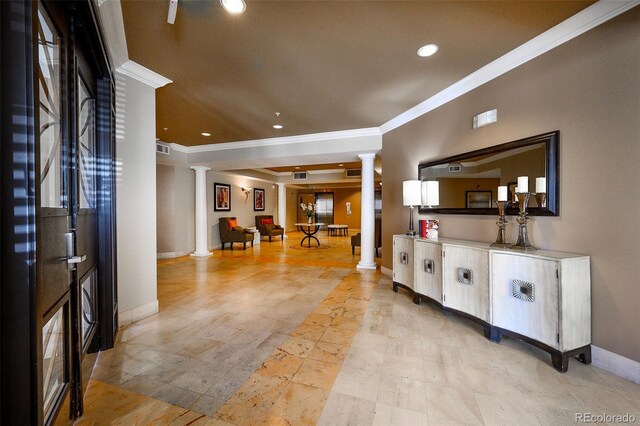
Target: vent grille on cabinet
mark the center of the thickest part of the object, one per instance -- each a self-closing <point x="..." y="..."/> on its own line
<point x="300" y="176"/>
<point x="353" y="173"/>
<point x="163" y="149"/>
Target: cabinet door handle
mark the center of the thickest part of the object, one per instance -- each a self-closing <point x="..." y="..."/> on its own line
<point x="429" y="266"/>
<point x="465" y="276"/>
<point x="523" y="290"/>
<point x="404" y="258"/>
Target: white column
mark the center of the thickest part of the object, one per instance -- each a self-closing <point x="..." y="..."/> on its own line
<point x="282" y="208"/>
<point x="201" y="212"/>
<point x="367" y="222"/>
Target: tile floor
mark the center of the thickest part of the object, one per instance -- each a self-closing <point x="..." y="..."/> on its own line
<point x="280" y="335"/>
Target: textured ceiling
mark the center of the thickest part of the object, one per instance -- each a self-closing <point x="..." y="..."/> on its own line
<point x="325" y="65"/>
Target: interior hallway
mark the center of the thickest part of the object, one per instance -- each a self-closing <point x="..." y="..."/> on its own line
<point x="282" y="335"/>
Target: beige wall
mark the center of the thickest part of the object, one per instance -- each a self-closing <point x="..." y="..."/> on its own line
<point x="239" y="208"/>
<point x="588" y="89"/>
<point x="165" y="205"/>
<point x="175" y="188"/>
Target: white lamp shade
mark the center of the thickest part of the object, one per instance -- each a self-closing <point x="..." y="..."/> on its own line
<point x="411" y="193"/>
<point x="430" y="193"/>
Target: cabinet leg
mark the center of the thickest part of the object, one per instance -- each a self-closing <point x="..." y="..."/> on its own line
<point x="560" y="361"/>
<point x="492" y="333"/>
<point x="585" y="357"/>
<point x="416" y="299"/>
<point x="395" y="287"/>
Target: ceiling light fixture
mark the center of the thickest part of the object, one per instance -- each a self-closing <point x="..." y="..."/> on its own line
<point x="234" y="6"/>
<point x="427" y="50"/>
<point x="207" y="134"/>
<point x="297" y="167"/>
<point x="341" y="165"/>
<point x="173" y="9"/>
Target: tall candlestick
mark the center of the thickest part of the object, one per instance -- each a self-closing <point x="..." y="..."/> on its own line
<point x="502" y="193"/>
<point x="523" y="184"/>
<point x="541" y="185"/>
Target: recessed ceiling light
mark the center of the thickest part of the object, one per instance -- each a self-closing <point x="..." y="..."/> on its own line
<point x="234" y="6"/>
<point x="207" y="134"/>
<point x="427" y="50"/>
<point x="277" y="126"/>
<point x="297" y="167"/>
<point x="341" y="165"/>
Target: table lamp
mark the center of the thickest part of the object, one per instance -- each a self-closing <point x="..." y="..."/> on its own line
<point x="411" y="196"/>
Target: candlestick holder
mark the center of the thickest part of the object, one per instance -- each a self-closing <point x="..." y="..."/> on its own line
<point x="523" y="243"/>
<point x="501" y="240"/>
<point x="541" y="199"/>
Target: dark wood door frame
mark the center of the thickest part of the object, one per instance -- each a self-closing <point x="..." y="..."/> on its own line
<point x="18" y="334"/>
<point x="20" y="324"/>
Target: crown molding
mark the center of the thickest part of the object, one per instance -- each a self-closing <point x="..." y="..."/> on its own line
<point x="143" y="75"/>
<point x="309" y="138"/>
<point x="572" y="27"/>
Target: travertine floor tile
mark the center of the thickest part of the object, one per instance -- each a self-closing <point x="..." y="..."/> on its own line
<point x="387" y="415"/>
<point x="343" y="409"/>
<point x="274" y="335"/>
<point x="317" y="373"/>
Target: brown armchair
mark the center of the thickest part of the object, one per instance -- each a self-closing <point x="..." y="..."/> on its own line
<point x="268" y="229"/>
<point x="233" y="234"/>
<point x="377" y="239"/>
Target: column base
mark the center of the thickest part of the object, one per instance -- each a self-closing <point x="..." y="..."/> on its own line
<point x="201" y="254"/>
<point x="362" y="265"/>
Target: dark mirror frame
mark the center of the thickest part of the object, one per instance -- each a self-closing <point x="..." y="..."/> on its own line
<point x="550" y="140"/>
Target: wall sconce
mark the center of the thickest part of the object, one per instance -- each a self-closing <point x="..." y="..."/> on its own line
<point x="246" y="192"/>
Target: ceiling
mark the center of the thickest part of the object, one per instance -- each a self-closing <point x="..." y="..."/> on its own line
<point x="324" y="65"/>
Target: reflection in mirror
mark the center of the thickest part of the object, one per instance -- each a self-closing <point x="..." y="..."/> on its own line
<point x="468" y="183"/>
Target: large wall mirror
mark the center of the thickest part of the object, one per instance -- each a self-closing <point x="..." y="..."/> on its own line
<point x="468" y="183"/>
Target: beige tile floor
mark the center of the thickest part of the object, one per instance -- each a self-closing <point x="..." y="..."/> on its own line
<point x="277" y="335"/>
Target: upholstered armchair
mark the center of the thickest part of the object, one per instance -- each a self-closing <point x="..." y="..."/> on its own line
<point x="377" y="240"/>
<point x="231" y="233"/>
<point x="265" y="225"/>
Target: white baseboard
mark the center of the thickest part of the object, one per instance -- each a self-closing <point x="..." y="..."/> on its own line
<point x="132" y="315"/>
<point x="386" y="272"/>
<point x="615" y="364"/>
<point x="173" y="254"/>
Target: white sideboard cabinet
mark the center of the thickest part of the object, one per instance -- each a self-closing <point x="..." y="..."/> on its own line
<point x="403" y="263"/>
<point x="428" y="269"/>
<point x="540" y="297"/>
<point x="465" y="280"/>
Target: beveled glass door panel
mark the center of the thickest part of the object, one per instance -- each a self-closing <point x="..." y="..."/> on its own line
<point x="52" y="177"/>
<point x="89" y="307"/>
<point x="86" y="146"/>
<point x="54" y="353"/>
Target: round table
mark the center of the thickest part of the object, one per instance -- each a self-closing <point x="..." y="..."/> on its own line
<point x="309" y="230"/>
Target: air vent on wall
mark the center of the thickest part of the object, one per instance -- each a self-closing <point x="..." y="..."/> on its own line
<point x="300" y="176"/>
<point x="353" y="173"/>
<point x="455" y="167"/>
<point x="163" y="149"/>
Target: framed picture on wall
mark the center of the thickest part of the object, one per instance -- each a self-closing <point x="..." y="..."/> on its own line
<point x="258" y="199"/>
<point x="478" y="199"/>
<point x="222" y="197"/>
